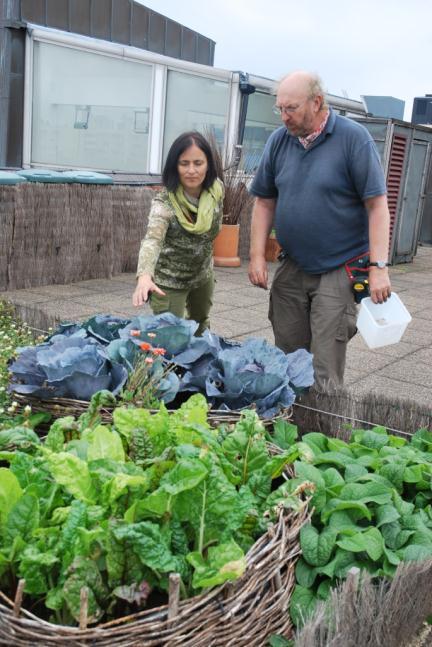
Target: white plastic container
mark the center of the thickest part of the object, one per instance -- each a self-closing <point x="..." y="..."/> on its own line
<point x="381" y="324"/>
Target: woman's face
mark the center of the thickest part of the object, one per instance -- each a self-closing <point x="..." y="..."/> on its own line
<point x="192" y="168"/>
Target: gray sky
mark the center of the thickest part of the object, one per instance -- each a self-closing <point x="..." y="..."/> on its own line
<point x="358" y="47"/>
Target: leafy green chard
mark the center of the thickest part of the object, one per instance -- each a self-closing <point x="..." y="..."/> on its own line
<point x="372" y="504"/>
<point x="117" y="508"/>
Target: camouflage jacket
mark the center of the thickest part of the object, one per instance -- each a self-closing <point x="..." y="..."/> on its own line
<point x="174" y="257"/>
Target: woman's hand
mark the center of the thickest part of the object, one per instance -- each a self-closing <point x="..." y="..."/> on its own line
<point x="143" y="289"/>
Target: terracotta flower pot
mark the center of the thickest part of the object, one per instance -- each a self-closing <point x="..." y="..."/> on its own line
<point x="225" y="247"/>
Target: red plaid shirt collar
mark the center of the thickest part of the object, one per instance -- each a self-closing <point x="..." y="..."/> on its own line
<point x="307" y="141"/>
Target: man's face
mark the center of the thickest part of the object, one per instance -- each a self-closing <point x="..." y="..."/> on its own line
<point x="299" y="112"/>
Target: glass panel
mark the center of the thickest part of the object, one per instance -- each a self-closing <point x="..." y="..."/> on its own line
<point x="89" y="110"/>
<point x="260" y="123"/>
<point x="194" y="103"/>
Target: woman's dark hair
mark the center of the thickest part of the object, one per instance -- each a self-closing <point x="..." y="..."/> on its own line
<point x="170" y="176"/>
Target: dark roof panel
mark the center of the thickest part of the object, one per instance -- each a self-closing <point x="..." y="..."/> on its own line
<point x="80" y="17"/>
<point x="140" y="26"/>
<point x="121" y="21"/>
<point x="121" y="17"/>
<point x="57" y="14"/>
<point x="101" y="19"/>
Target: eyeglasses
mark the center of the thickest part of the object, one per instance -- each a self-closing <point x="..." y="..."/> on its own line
<point x="280" y="110"/>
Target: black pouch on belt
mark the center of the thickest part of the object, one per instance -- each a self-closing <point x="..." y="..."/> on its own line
<point x="357" y="269"/>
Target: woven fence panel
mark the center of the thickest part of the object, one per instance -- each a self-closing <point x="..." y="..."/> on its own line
<point x="131" y="207"/>
<point x="88" y="234"/>
<point x="7" y="209"/>
<point x="36" y="245"/>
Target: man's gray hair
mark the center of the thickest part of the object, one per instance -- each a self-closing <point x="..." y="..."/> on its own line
<point x="316" y="87"/>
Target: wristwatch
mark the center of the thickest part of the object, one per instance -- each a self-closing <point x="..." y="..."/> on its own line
<point x="380" y="264"/>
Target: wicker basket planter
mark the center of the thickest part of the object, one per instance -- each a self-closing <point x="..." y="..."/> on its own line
<point x="244" y="612"/>
<point x="59" y="407"/>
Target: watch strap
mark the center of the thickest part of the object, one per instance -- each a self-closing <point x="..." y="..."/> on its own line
<point x="379" y="264"/>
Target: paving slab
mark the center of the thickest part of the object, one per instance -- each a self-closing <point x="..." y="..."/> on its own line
<point x="402" y="370"/>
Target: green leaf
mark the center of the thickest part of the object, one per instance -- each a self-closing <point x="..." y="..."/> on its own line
<point x="10" y="493"/>
<point x="150" y="545"/>
<point x="341" y="520"/>
<point x="76" y="518"/>
<point x="386" y="513"/>
<point x="324" y="589"/>
<point x="393" y="472"/>
<point x="121" y="484"/>
<point x="307" y="455"/>
<point x="18" y="438"/>
<point x="413" y="474"/>
<point x="316" y="441"/>
<point x="337" y="505"/>
<point x="371" y="438"/>
<point x="305" y="574"/>
<point x="339" y="565"/>
<point x="338" y="445"/>
<point x="422" y="439"/>
<point x="317" y="547"/>
<point x="333" y="480"/>
<point x="23" y="518"/>
<point x="308" y="472"/>
<point x="369" y="541"/>
<point x="156" y="425"/>
<point x="354" y="471"/>
<point x="61" y="431"/>
<point x="104" y="443"/>
<point x="338" y="459"/>
<point x="246" y="448"/>
<point x="302" y="605"/>
<point x="210" y="507"/>
<point x="84" y="573"/>
<point x="284" y="434"/>
<point x="279" y="641"/>
<point x="366" y="493"/>
<point x="73" y="474"/>
<point x="224" y="562"/>
<point x="415" y="553"/>
<point x="185" y="475"/>
<point x="34" y="567"/>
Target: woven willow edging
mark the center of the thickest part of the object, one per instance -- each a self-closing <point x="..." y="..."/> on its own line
<point x="240" y="613"/>
<point x="59" y="407"/>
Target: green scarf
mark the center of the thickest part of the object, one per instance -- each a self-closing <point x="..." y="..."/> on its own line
<point x="208" y="201"/>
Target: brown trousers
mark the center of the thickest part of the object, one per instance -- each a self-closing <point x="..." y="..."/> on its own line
<point x="316" y="312"/>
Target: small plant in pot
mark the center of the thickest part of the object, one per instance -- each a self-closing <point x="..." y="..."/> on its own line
<point x="237" y="198"/>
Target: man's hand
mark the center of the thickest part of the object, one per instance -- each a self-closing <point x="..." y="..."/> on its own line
<point x="262" y="221"/>
<point x="379" y="284"/>
<point x="258" y="272"/>
<point x="379" y="227"/>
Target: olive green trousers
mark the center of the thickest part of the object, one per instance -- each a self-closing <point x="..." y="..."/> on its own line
<point x="195" y="303"/>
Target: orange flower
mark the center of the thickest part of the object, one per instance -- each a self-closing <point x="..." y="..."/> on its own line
<point x="158" y="351"/>
<point x="145" y="345"/>
<point x="135" y="333"/>
<point x="148" y="360"/>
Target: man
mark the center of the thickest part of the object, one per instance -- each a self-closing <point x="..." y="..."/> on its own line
<point x="321" y="185"/>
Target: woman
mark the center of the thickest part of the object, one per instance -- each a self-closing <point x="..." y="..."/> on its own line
<point x="175" y="264"/>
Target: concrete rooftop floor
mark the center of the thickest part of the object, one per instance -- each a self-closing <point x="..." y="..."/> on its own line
<point x="402" y="370"/>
